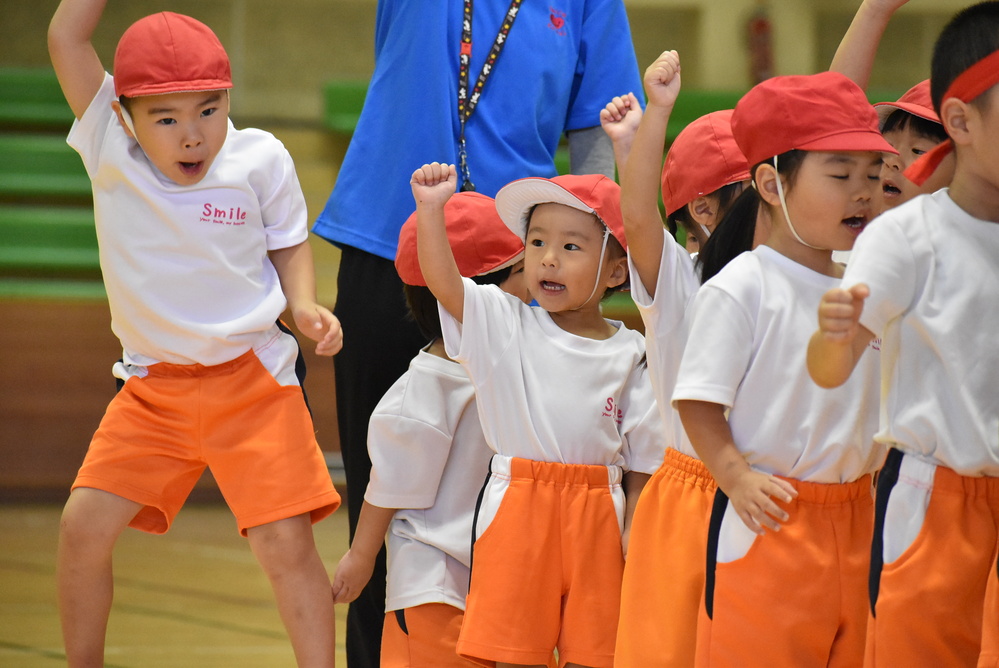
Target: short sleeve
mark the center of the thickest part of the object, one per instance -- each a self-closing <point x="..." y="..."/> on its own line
<point x="883" y="259"/>
<point x="607" y="65"/>
<point x="283" y="211"/>
<point x="643" y="429"/>
<point x="88" y="133"/>
<point x="718" y="350"/>
<point x="486" y="330"/>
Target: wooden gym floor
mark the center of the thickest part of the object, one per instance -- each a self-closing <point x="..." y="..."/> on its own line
<point x="192" y="597"/>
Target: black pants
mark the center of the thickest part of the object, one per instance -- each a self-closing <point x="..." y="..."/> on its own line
<point x="379" y="341"/>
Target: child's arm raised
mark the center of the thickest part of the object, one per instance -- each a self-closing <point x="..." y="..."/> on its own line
<point x="835" y="349"/>
<point x="433" y="186"/>
<point x="73" y="56"/>
<point x="357" y="564"/>
<point x="750" y="492"/>
<point x="620" y="119"/>
<point x="296" y="271"/>
<point x="643" y="225"/>
<point x="855" y="55"/>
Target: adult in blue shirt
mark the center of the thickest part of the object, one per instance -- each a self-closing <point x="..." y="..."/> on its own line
<point x="561" y="62"/>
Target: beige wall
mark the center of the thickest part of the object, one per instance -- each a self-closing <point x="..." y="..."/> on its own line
<point x="283" y="51"/>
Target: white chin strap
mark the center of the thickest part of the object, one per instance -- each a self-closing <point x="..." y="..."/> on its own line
<point x="787" y="216"/>
<point x="600" y="263"/>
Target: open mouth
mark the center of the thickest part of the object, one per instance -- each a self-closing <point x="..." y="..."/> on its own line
<point x="890" y="189"/>
<point x="551" y="287"/>
<point x="856" y="223"/>
<point x="191" y="168"/>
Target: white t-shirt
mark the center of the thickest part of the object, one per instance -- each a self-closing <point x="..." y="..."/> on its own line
<point x="186" y="267"/>
<point x="933" y="273"/>
<point x="429" y="459"/>
<point x="665" y="329"/>
<point x="548" y="395"/>
<point x="753" y="321"/>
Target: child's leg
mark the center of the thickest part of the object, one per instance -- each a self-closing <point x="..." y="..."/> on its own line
<point x="91" y="523"/>
<point x="287" y="552"/>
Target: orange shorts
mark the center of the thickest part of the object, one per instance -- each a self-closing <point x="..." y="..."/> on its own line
<point x="796" y="597"/>
<point x="664" y="574"/>
<point x="423" y="636"/>
<point x="161" y="430"/>
<point x="934" y="593"/>
<point x="546" y="571"/>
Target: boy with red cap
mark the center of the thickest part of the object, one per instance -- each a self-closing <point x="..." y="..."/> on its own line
<point x="565" y="404"/>
<point x="923" y="278"/>
<point x="703" y="172"/>
<point x="203" y="235"/>
<point x="792" y="516"/>
<point x="428" y="456"/>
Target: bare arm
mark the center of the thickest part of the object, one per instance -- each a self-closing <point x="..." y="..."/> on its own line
<point x="856" y="52"/>
<point x="433" y="185"/>
<point x="750" y="492"/>
<point x="835" y="349"/>
<point x="296" y="272"/>
<point x="73" y="56"/>
<point x="355" y="567"/>
<point x="640" y="178"/>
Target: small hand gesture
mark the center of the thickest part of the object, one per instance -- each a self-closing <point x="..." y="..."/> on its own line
<point x="752" y="497"/>
<point x="433" y="184"/>
<point x="662" y="80"/>
<point x="839" y="313"/>
<point x="620" y="118"/>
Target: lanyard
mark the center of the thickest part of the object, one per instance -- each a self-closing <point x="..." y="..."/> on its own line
<point x="466" y="102"/>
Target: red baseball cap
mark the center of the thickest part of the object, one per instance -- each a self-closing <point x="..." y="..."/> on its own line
<point x="703" y="158"/>
<point x="592" y="193"/>
<point x="815" y="112"/>
<point x="916" y="101"/>
<point x="169" y="53"/>
<point x="481" y="243"/>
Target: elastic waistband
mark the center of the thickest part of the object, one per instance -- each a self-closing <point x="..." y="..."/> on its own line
<point x="920" y="473"/>
<point x="828" y="493"/>
<point x="685" y="465"/>
<point x="168" y="370"/>
<point x="593" y="475"/>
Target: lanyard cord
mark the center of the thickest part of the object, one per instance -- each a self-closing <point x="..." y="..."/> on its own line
<point x="466" y="102"/>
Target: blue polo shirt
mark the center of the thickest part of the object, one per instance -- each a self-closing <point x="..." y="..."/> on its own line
<point x="563" y="62"/>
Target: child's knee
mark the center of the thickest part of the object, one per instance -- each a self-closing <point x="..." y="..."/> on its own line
<point x="286" y="543"/>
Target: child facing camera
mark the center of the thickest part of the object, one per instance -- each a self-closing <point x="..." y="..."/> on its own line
<point x="565" y="404"/>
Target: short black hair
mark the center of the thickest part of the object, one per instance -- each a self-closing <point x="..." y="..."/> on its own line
<point x="901" y="119"/>
<point x="971" y="35"/>
<point x="423" y="305"/>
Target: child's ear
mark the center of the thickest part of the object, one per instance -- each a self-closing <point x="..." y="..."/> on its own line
<point x="766" y="184"/>
<point x="618" y="272"/>
<point x="955" y="115"/>
<point x="116" y="107"/>
<point x="702" y="210"/>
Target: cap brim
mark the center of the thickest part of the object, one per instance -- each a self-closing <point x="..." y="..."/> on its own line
<point x="850" y="141"/>
<point x="175" y="87"/>
<point x="515" y="200"/>
<point x="885" y="109"/>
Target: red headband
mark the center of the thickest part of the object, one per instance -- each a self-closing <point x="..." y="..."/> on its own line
<point x="966" y="87"/>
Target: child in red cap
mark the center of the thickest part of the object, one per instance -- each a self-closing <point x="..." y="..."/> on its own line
<point x="792" y="516"/>
<point x="428" y="456"/>
<point x="564" y="402"/>
<point x="203" y="236"/>
<point x="703" y="172"/>
<point x="923" y="279"/>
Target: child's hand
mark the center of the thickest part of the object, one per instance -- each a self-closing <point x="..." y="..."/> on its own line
<point x="662" y="80"/>
<point x="839" y="313"/>
<point x="752" y="497"/>
<point x="434" y="184"/>
<point x="621" y="116"/>
<point x="317" y="323"/>
<point x="351" y="576"/>
<point x="887" y="6"/>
